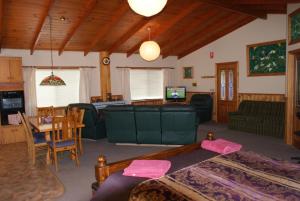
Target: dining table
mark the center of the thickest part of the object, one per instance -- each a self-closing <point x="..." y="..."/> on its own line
<point x="45" y="127"/>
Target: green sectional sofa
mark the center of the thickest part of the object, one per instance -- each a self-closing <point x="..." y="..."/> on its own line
<point x="151" y="124"/>
<point x="260" y="117"/>
<point x="120" y="124"/>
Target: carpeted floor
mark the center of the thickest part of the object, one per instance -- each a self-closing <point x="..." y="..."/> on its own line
<point x="21" y="181"/>
<point x="77" y="181"/>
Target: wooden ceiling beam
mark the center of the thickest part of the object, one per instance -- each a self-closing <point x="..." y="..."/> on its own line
<point x="211" y="24"/>
<point x="40" y="25"/>
<point x="135" y="28"/>
<point x="89" y="6"/>
<point x="102" y="32"/>
<point x="1" y="22"/>
<point x="257" y="2"/>
<point x="185" y="11"/>
<point x="216" y="36"/>
<point x="188" y="28"/>
<point x="235" y="8"/>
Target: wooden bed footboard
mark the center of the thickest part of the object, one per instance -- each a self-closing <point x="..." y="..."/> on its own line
<point x="103" y="169"/>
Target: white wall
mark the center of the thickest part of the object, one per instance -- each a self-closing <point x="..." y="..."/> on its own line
<point x="42" y="58"/>
<point x="232" y="47"/>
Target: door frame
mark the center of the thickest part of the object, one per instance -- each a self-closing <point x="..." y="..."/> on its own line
<point x="236" y="63"/>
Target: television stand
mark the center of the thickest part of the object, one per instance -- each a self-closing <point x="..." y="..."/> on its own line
<point x="175" y="103"/>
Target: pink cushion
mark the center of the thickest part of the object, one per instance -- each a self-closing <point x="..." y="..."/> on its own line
<point x="221" y="146"/>
<point x="147" y="168"/>
<point x="47" y="120"/>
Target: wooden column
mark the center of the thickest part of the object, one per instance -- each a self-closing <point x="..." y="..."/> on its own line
<point x="290" y="102"/>
<point x="104" y="76"/>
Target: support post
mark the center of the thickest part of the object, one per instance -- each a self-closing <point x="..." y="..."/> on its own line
<point x="105" y="76"/>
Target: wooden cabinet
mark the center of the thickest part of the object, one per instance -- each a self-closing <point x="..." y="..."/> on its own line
<point x="4" y="69"/>
<point x="12" y="134"/>
<point x="11" y="70"/>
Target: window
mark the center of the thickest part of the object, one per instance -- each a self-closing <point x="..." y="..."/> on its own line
<point x="61" y="95"/>
<point x="146" y="84"/>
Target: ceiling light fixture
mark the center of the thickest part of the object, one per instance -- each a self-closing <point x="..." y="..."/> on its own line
<point x="147" y="7"/>
<point x="149" y="50"/>
<point x="62" y="18"/>
<point x="52" y="80"/>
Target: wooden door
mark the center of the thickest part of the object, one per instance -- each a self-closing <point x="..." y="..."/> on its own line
<point x="15" y="68"/>
<point x="4" y="69"/>
<point x="226" y="90"/>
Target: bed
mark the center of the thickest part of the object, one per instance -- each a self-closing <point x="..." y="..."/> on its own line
<point x="197" y="174"/>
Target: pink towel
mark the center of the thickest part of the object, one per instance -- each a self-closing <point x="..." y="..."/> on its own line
<point x="221" y="146"/>
<point x="147" y="168"/>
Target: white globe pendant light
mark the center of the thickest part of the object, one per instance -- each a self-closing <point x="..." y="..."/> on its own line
<point x="149" y="50"/>
<point x="147" y="7"/>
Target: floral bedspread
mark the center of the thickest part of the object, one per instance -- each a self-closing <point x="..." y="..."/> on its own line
<point x="241" y="175"/>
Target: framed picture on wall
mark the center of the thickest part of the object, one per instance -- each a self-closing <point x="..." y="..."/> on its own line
<point x="294" y="27"/>
<point x="188" y="72"/>
<point x="268" y="58"/>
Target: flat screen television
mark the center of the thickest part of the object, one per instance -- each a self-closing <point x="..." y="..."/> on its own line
<point x="175" y="93"/>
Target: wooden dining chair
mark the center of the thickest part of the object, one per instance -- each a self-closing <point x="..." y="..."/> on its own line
<point x="36" y="142"/>
<point x="95" y="99"/>
<point x="78" y="115"/>
<point x="64" y="138"/>
<point x="43" y="113"/>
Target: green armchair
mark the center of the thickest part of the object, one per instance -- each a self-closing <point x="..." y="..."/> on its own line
<point x="94" y="123"/>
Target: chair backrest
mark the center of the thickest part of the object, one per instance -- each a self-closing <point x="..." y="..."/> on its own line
<point x="116" y="97"/>
<point x="27" y="128"/>
<point x="202" y="100"/>
<point x="90" y="116"/>
<point x="95" y="99"/>
<point x="44" y="112"/>
<point x="64" y="128"/>
<point x="77" y="113"/>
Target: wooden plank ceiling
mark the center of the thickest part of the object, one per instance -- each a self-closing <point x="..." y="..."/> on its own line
<point x="110" y="25"/>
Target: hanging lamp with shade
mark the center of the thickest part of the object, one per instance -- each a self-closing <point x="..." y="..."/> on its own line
<point x="149" y="50"/>
<point x="52" y="80"/>
<point x="147" y="8"/>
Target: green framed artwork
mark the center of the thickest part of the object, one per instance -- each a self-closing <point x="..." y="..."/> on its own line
<point x="267" y="58"/>
<point x="294" y="27"/>
<point x="187" y="72"/>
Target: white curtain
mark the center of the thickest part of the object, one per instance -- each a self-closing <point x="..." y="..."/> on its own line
<point x="85" y="85"/>
<point x="167" y="76"/>
<point x="30" y="91"/>
<point x="125" y="78"/>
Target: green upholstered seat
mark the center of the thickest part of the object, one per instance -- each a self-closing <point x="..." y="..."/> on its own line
<point x="120" y="124"/>
<point x="148" y="126"/>
<point x="178" y="124"/>
<point x="203" y="103"/>
<point x="94" y="125"/>
<point x="260" y="117"/>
